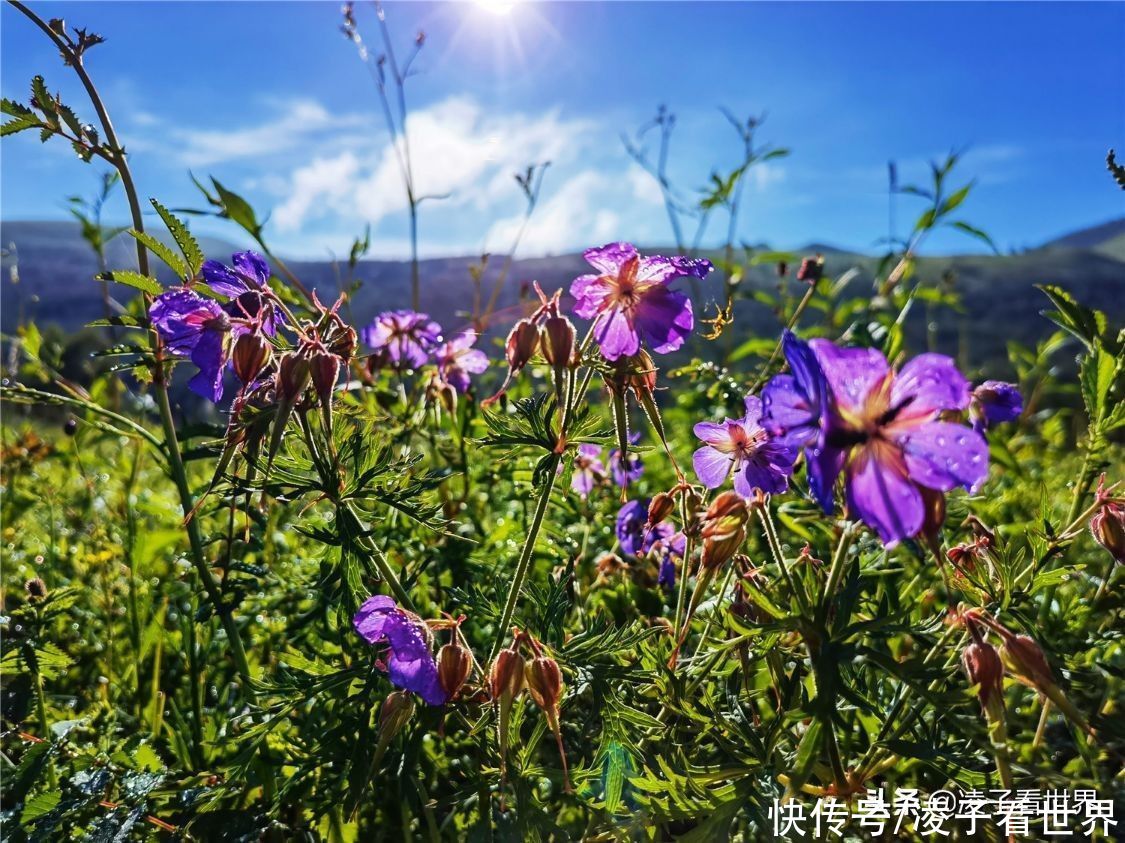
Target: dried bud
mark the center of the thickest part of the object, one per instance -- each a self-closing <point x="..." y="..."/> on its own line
<point x="396" y="711"/>
<point x="523" y="341"/>
<point x="342" y="341"/>
<point x="557" y="341"/>
<point x="1025" y="660"/>
<point x="293" y="373"/>
<point x="544" y="683"/>
<point x="811" y="270"/>
<point x="608" y="564"/>
<point x="727" y="514"/>
<point x="983" y="667"/>
<point x="1108" y="529"/>
<point x="454" y="662"/>
<point x="252" y="353"/>
<point x="782" y="269"/>
<point x="660" y="508"/>
<point x="963" y="557"/>
<point x="505" y="680"/>
<point x="36" y="589"/>
<point x="325" y="370"/>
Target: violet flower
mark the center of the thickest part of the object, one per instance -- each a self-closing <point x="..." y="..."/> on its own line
<point x="403" y="338"/>
<point x="198" y="329"/>
<point x="627" y="469"/>
<point x="588" y="469"/>
<point x="744" y="446"/>
<point x="667" y="550"/>
<point x="881" y="429"/>
<point x="410" y="663"/>
<point x="633" y="534"/>
<point x="457" y="359"/>
<point x="243" y="284"/>
<point x="994" y="402"/>
<point x="629" y="299"/>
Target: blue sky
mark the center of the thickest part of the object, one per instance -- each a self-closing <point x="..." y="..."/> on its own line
<point x="270" y="98"/>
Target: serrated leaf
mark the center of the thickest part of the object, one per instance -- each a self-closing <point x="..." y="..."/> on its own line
<point x="38" y="805"/>
<point x="128" y="278"/>
<point x="165" y="254"/>
<point x="182" y="236"/>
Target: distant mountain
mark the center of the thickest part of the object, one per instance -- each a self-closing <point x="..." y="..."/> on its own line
<point x="54" y="274"/>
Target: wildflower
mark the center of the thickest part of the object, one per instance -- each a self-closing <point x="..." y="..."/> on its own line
<point x="410" y="664"/>
<point x="633" y="533"/>
<point x="811" y="270"/>
<point x="994" y="402"/>
<point x="457" y="359"/>
<point x="402" y="339"/>
<point x="626" y="469"/>
<point x="629" y="300"/>
<point x="588" y="469"/>
<point x="854" y="415"/>
<point x="198" y="329"/>
<point x="759" y="461"/>
<point x="1108" y="523"/>
<point x="245" y="283"/>
<point x="667" y="550"/>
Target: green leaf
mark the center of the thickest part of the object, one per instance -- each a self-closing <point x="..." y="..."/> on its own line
<point x="237" y="209"/>
<point x="973" y="231"/>
<point x="170" y="258"/>
<point x="182" y="236"/>
<point x="42" y="99"/>
<point x="39" y="805"/>
<point x="128" y="278"/>
<point x="953" y="201"/>
<point x="1084" y="323"/>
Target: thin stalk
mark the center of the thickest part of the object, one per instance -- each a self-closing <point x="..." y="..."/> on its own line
<point x="766" y="519"/>
<point x="524" y="563"/>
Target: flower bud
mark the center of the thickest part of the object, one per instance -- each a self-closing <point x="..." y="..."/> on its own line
<point x="396" y="711"/>
<point x="293" y="373"/>
<point x="544" y="683"/>
<point x="505" y="680"/>
<point x="1025" y="660"/>
<point x="933" y="513"/>
<point x="557" y="339"/>
<point x="325" y="370"/>
<point x="523" y="341"/>
<point x="252" y="353"/>
<point x="454" y="662"/>
<point x="1108" y="529"/>
<point x="726" y="515"/>
<point x="983" y="666"/>
<point x="660" y="508"/>
<point x="782" y="269"/>
<point x="811" y="270"/>
<point x="36" y="589"/>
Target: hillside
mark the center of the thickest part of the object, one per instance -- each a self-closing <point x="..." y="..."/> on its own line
<point x="56" y="270"/>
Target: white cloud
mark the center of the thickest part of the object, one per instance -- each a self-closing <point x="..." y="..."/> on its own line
<point x="571" y="217"/>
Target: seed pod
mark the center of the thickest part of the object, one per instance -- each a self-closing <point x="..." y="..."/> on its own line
<point x="1025" y="660"/>
<point x="293" y="373"/>
<point x="660" y="508"/>
<point x="1108" y="529"/>
<point x="251" y="354"/>
<point x="983" y="666"/>
<point x="557" y="339"/>
<point x="522" y="343"/>
<point x="811" y="270"/>
<point x="454" y="662"/>
<point x="544" y="683"/>
<point x="396" y="711"/>
<point x="505" y="680"/>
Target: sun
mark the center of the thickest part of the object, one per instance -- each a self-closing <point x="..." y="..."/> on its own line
<point x="500" y="8"/>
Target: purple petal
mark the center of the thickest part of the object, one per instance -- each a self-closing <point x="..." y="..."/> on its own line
<point x="590" y="450"/>
<point x="222" y="280"/>
<point x="210" y="355"/>
<point x="589" y="292"/>
<point x="616" y="335"/>
<point x="805" y="368"/>
<point x="823" y="466"/>
<point x="713" y="433"/>
<point x="664" y="317"/>
<point x="473" y="361"/>
<point x="787" y="412"/>
<point x="371" y="617"/>
<point x="753" y="417"/>
<point x="418" y="675"/>
<point x="927" y="385"/>
<point x="851" y="373"/>
<point x="768" y="469"/>
<point x="881" y="494"/>
<point x="582" y="482"/>
<point x="180" y="317"/>
<point x="995" y="402"/>
<point x="252" y="267"/>
<point x="609" y="259"/>
<point x="941" y="455"/>
<point x="711" y="466"/>
<point x="658" y="269"/>
<point x="630" y="525"/>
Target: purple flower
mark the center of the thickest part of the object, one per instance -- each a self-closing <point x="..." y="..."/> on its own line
<point x="243" y="284"/>
<point x="629" y="300"/>
<point x="403" y="338"/>
<point x="994" y="402"/>
<point x="667" y="551"/>
<point x="627" y="469"/>
<point x="410" y="663"/>
<point x="588" y="469"/>
<point x="759" y="461"/>
<point x="457" y="359"/>
<point x="881" y="429"/>
<point x="632" y="528"/>
<point x="198" y="329"/>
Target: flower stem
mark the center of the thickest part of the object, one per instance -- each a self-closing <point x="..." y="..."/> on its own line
<point x="524" y="563"/>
